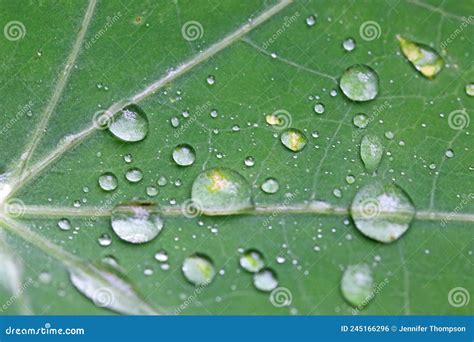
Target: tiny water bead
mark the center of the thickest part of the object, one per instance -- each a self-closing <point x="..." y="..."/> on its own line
<point x="130" y="124"/>
<point x="161" y="256"/>
<point x="128" y="158"/>
<point x="371" y="151"/>
<point x="108" y="181"/>
<point x="357" y="285"/>
<point x="249" y="161"/>
<point x="252" y="261"/>
<point x="293" y="139"/>
<point x="360" y="120"/>
<point x="424" y="58"/>
<point x="134" y="175"/>
<point x="211" y="79"/>
<point x="319" y="108"/>
<point x="104" y="240"/>
<point x="221" y="191"/>
<point x="151" y="191"/>
<point x="382" y="212"/>
<point x="64" y="224"/>
<point x="184" y="155"/>
<point x="270" y="185"/>
<point x="136" y="222"/>
<point x="265" y="280"/>
<point x="310" y="20"/>
<point x="359" y="83"/>
<point x="470" y="89"/>
<point x="349" y="44"/>
<point x="198" y="269"/>
<point x="350" y="179"/>
<point x="449" y="153"/>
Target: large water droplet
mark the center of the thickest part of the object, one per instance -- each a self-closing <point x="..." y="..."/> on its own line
<point x="252" y="261"/>
<point x="357" y="285"/>
<point x="130" y="124"/>
<point x="265" y="280"/>
<point x="221" y="191"/>
<point x="371" y="151"/>
<point x="108" y="181"/>
<point x="424" y="58"/>
<point x="270" y="185"/>
<point x="184" y="155"/>
<point x="198" y="269"/>
<point x="136" y="222"/>
<point x="382" y="212"/>
<point x="293" y="139"/>
<point x="359" y="83"/>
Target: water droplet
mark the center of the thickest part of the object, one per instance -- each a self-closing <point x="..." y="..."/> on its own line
<point x="349" y="44"/>
<point x="424" y="58"/>
<point x="270" y="185"/>
<point x="252" y="261"/>
<point x="108" y="181"/>
<point x="389" y="135"/>
<point x="337" y="193"/>
<point x="221" y="191"/>
<point x="350" y="179"/>
<point x="198" y="269"/>
<point x="319" y="108"/>
<point x="470" y="89"/>
<point x="174" y="121"/>
<point x="310" y="20"/>
<point x="104" y="240"/>
<point x="357" y="285"/>
<point x="382" y="212"/>
<point x="360" y="120"/>
<point x="293" y="139"/>
<point x="184" y="155"/>
<point x="449" y="153"/>
<point x="128" y="158"/>
<point x="134" y="175"/>
<point x="64" y="224"/>
<point x="211" y="80"/>
<point x="371" y="151"/>
<point x="359" y="83"/>
<point x="151" y="191"/>
<point x="265" y="280"/>
<point x="161" y="256"/>
<point x="130" y="124"/>
<point x="162" y="181"/>
<point x="214" y="113"/>
<point x="249" y="161"/>
<point x="136" y="222"/>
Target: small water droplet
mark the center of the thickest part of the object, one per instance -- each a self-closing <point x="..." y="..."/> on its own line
<point x="249" y="161"/>
<point x="128" y="158"/>
<point x="136" y="222"/>
<point x="293" y="139"/>
<point x="319" y="108"/>
<point x="470" y="89"/>
<point x="161" y="256"/>
<point x="360" y="120"/>
<point x="214" y="113"/>
<point x="64" y="224"/>
<point x="337" y="193"/>
<point x="198" y="269"/>
<point x="349" y="44"/>
<point x="104" y="240"/>
<point x="134" y="175"/>
<point x="130" y="124"/>
<point x="371" y="151"/>
<point x="270" y="185"/>
<point x="184" y="155"/>
<point x="389" y="135"/>
<point x="350" y="179"/>
<point x="424" y="58"/>
<point x="211" y="80"/>
<point x="174" y="121"/>
<point x="310" y="20"/>
<point x="151" y="191"/>
<point x="359" y="83"/>
<point x="252" y="261"/>
<point x="449" y="153"/>
<point x="265" y="280"/>
<point x="357" y="285"/>
<point x="162" y="181"/>
<point x="108" y="181"/>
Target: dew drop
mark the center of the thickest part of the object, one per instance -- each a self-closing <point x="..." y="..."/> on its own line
<point x="449" y="153"/>
<point x="151" y="191"/>
<point x="136" y="222"/>
<point x="162" y="181"/>
<point x="161" y="256"/>
<point x="357" y="285"/>
<point x="319" y="108"/>
<point x="470" y="89"/>
<point x="337" y="193"/>
<point x="389" y="135"/>
<point x="184" y="155"/>
<point x="249" y="161"/>
<point x="270" y="185"/>
<point x="174" y="121"/>
<point x="64" y="224"/>
<point x="310" y="20"/>
<point x="265" y="280"/>
<point x="210" y="80"/>
<point x="198" y="269"/>
<point x="104" y="240"/>
<point x="134" y="175"/>
<point x="293" y="139"/>
<point x="371" y="151"/>
<point x="359" y="83"/>
<point x="350" y="179"/>
<point x="130" y="124"/>
<point x="128" y="158"/>
<point x="221" y="191"/>
<point x="424" y="58"/>
<point x="108" y="181"/>
<point x="252" y="261"/>
<point x="349" y="44"/>
<point x="382" y="212"/>
<point x="360" y="120"/>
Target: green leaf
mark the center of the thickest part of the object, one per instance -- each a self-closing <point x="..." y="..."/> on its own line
<point x="228" y="79"/>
